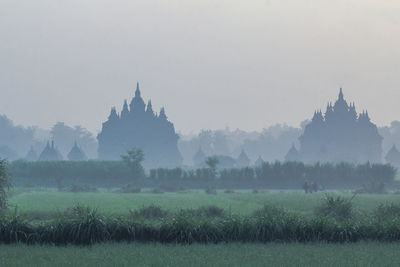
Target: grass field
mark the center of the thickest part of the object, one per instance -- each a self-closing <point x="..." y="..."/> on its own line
<point x="272" y="254"/>
<point x="32" y="201"/>
<point x="43" y="201"/>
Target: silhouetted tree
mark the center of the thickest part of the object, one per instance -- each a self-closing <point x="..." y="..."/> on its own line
<point x="133" y="160"/>
<point x="212" y="163"/>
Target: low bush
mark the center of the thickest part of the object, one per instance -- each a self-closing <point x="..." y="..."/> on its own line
<point x="81" y="225"/>
<point x="372" y="188"/>
<point x="129" y="189"/>
<point x="4" y="184"/>
<point x="81" y="188"/>
<point x="210" y="190"/>
<point x="270" y="211"/>
<point x="171" y="188"/>
<point x="387" y="212"/>
<point x="150" y="212"/>
<point x="229" y="191"/>
<point x="336" y="207"/>
<point x="207" y="211"/>
<point x="157" y="190"/>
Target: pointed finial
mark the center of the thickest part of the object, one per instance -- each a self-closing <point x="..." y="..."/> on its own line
<point x="125" y="107"/>
<point x="341" y="93"/>
<point x="137" y="92"/>
<point x="149" y="107"/>
<point x="162" y="114"/>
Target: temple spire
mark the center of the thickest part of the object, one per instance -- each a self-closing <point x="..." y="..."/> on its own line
<point x="162" y="114"/>
<point x="149" y="108"/>
<point x="137" y="104"/>
<point x="137" y="92"/>
<point x="341" y="93"/>
<point x="125" y="110"/>
<point x="113" y="114"/>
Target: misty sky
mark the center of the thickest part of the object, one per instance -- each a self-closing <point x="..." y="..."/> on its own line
<point x="212" y="64"/>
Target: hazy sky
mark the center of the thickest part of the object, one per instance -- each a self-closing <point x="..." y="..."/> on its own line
<point x="212" y="64"/>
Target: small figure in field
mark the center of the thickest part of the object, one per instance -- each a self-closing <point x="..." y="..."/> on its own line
<point x="306" y="187"/>
<point x="314" y="186"/>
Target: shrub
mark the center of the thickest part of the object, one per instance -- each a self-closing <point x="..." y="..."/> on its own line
<point x="81" y="188"/>
<point x="210" y="190"/>
<point x="372" y="188"/>
<point x="387" y="211"/>
<point x="4" y="184"/>
<point x="81" y="225"/>
<point x="171" y="188"/>
<point x="269" y="210"/>
<point x="229" y="191"/>
<point x="157" y="190"/>
<point x="77" y="211"/>
<point x="150" y="212"/>
<point x="336" y="207"/>
<point x="129" y="189"/>
<point x="209" y="212"/>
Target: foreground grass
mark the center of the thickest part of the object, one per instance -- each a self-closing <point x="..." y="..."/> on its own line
<point x="135" y="254"/>
<point x="242" y="202"/>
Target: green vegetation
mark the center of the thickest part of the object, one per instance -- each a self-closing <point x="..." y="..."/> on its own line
<point x="133" y="159"/>
<point x="289" y="175"/>
<point x="240" y="202"/>
<point x="233" y="254"/>
<point x="336" y="220"/>
<point x="4" y="184"/>
<point x="336" y="207"/>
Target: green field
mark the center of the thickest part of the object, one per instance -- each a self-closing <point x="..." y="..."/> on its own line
<point x="272" y="254"/>
<point x="42" y="201"/>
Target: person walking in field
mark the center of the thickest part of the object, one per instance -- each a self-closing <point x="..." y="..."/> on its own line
<point x="314" y="186"/>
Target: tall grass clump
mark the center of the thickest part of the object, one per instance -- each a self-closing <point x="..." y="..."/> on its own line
<point x="150" y="212"/>
<point x="14" y="228"/>
<point x="336" y="207"/>
<point x="210" y="211"/>
<point x="78" y="225"/>
<point x="270" y="211"/>
<point x="387" y="212"/>
<point x="5" y="184"/>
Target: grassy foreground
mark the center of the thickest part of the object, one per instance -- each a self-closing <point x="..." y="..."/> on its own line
<point x="236" y="254"/>
<point x="42" y="201"/>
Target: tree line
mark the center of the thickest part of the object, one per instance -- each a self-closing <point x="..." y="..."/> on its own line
<point x="289" y="175"/>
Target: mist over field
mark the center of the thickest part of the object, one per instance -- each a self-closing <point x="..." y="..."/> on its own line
<point x="199" y="133"/>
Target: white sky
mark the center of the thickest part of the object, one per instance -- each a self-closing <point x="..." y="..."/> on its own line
<point x="212" y="64"/>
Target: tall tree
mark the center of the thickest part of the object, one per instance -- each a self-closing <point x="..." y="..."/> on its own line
<point x="133" y="159"/>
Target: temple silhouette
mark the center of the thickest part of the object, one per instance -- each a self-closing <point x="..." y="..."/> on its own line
<point x="138" y="126"/>
<point x="50" y="153"/>
<point x="76" y="154"/>
<point x="339" y="135"/>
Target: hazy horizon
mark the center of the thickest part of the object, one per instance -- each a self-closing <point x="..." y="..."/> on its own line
<point x="211" y="64"/>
